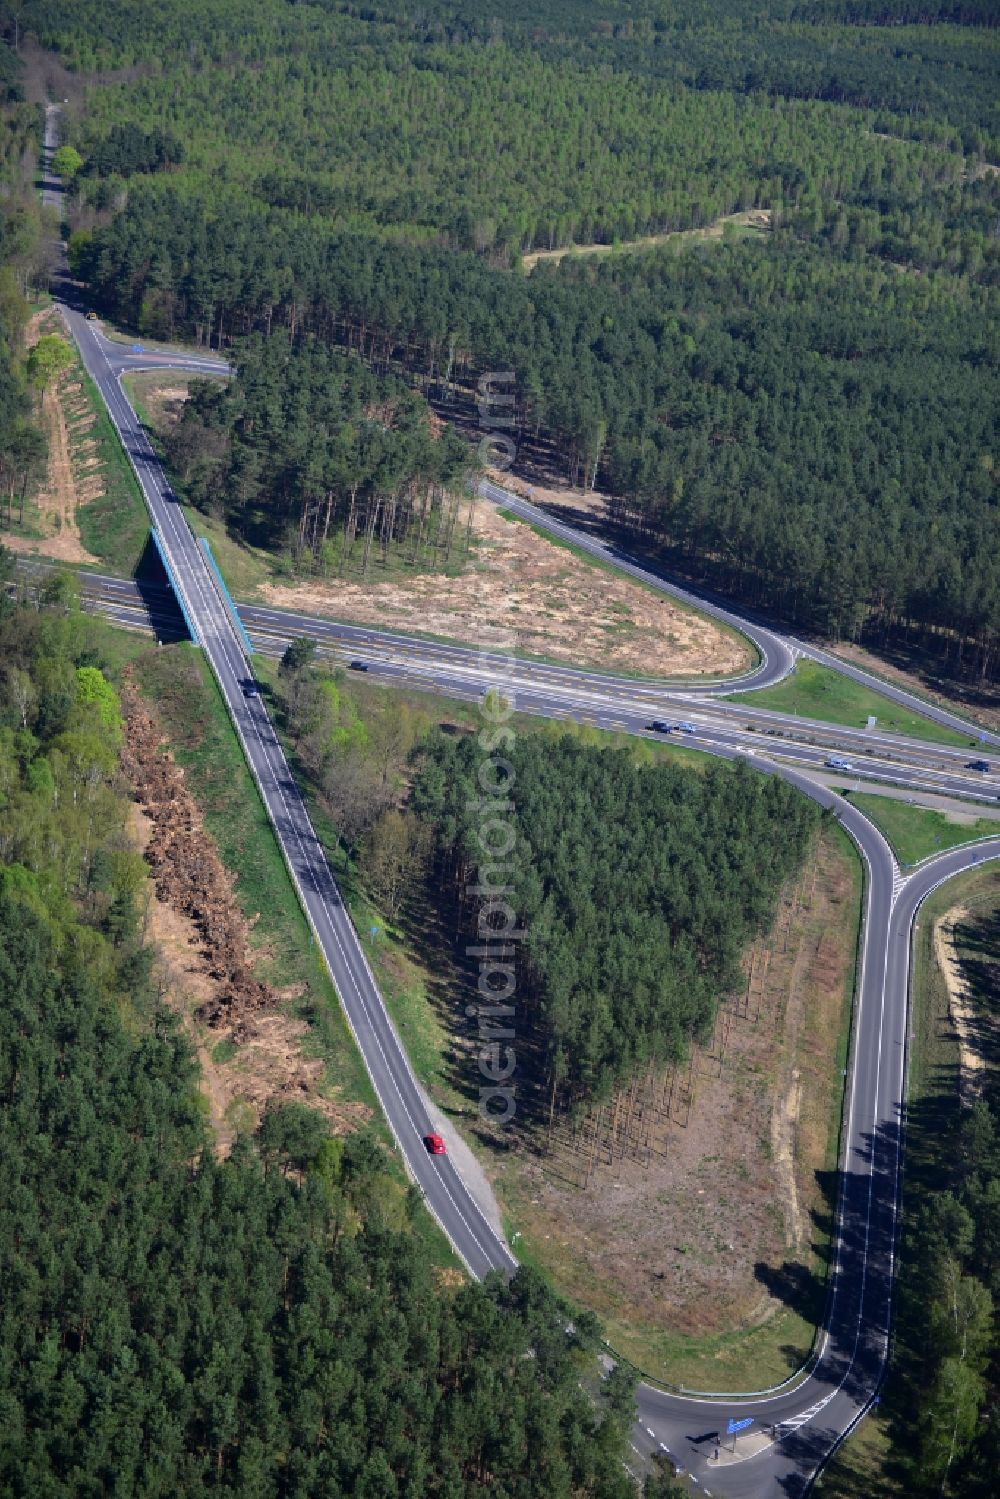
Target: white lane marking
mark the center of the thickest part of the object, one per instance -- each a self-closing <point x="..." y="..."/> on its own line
<point x="226" y="639"/>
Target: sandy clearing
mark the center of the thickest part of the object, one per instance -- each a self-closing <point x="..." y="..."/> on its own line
<point x="555" y="604"/>
<point x="59" y="498"/>
<point x="751" y="218"/>
<point x="972" y="1063"/>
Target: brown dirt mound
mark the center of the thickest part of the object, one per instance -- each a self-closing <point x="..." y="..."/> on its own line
<point x="188" y="874"/>
<point x="251" y="1051"/>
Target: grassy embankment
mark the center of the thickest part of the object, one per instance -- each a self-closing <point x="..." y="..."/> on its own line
<point x="815" y="691"/>
<point x="177" y="681"/>
<point x="917" y="833"/>
<point x="114" y="527"/>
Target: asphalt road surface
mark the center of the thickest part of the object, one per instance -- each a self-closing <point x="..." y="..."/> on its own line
<point x="777" y="651"/>
<point x="605" y="701"/>
<point x="794" y="1428"/>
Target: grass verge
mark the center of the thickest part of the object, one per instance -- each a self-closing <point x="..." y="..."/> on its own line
<point x="114" y="527"/>
<point x="916" y="833"/>
<point x="177" y="680"/>
<point x="815" y="691"/>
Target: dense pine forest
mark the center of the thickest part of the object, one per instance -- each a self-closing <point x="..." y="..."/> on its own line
<point x="309" y="450"/>
<point x="803" y="416"/>
<point x="815" y="435"/>
<point x="947" y="1336"/>
<point x="172" y="1323"/>
<point x="611" y="981"/>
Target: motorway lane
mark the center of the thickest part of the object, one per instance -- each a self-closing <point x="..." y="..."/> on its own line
<point x="813" y="1413"/>
<point x="806" y="1418"/>
<point x="607" y="701"/>
<point x="777" y="652"/>
<point x="454" y="668"/>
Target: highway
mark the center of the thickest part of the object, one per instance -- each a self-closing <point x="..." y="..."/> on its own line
<point x="796" y="1427"/>
<point x="604" y="700"/>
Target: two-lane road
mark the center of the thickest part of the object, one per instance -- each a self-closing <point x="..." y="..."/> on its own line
<point x="399" y="1094"/>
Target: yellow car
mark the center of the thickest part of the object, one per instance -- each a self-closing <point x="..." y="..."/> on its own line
<point x="91" y="317"/>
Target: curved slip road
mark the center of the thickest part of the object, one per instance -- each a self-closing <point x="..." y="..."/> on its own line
<point x="777" y="651"/>
<point x="795" y="1428"/>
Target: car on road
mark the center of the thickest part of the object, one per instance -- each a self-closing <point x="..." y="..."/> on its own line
<point x="358" y="665"/>
<point x="91" y="317"/>
<point x="659" y="726"/>
<point x="982" y="765"/>
<point x="250" y="687"/>
<point x="685" y="728"/>
<point x="435" y="1145"/>
<point x="835" y="762"/>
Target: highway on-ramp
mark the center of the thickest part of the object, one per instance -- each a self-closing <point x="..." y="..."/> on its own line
<point x="777" y="652"/>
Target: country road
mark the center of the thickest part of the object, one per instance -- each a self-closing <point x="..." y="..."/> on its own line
<point x="796" y="1427"/>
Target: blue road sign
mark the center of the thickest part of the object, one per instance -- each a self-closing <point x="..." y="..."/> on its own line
<point x="982" y="739"/>
<point x="373" y="930"/>
<point x="735" y="1426"/>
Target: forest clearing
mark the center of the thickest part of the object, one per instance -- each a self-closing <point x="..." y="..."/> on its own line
<point x="555" y="602"/>
<point x="688" y="1212"/>
<point x="752" y="220"/>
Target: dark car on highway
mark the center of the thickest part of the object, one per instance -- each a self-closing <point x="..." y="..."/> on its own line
<point x="983" y="765"/>
<point x="358" y="665"/>
<point x="659" y="726"/>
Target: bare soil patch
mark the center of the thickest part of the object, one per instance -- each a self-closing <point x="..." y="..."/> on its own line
<point x="688" y="1205"/>
<point x="964" y="1015"/>
<point x="163" y="393"/>
<point x="556" y="604"/>
<point x="65" y="487"/>
<point x="756" y="219"/>
<point x="251" y="1049"/>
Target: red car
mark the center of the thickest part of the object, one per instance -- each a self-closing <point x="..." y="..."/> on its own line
<point x="435" y="1145"/>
